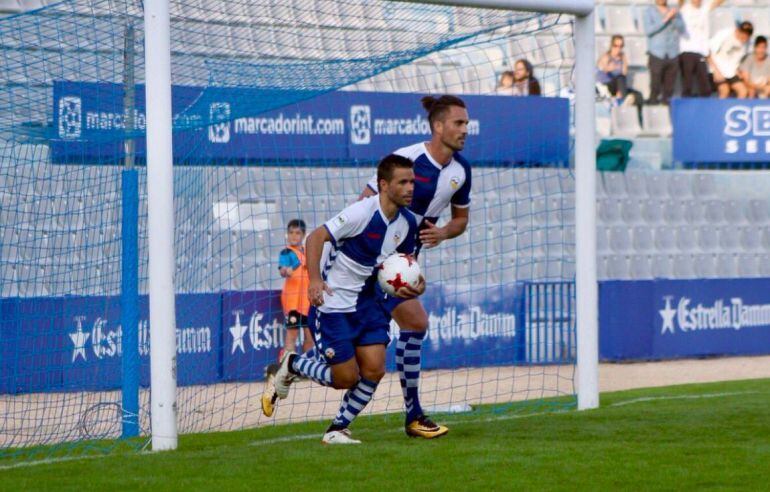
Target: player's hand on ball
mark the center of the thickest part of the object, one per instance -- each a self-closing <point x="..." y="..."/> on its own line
<point x="315" y="292"/>
<point x="432" y="236"/>
<point x="409" y="292"/>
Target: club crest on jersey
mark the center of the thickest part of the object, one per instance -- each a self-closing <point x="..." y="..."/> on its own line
<point x="454" y="182"/>
<point x="396" y="238"/>
<point x="329" y="353"/>
<point x="341" y="219"/>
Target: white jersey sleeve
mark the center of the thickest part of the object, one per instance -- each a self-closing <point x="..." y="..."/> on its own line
<point x="372" y="183"/>
<point x="351" y="221"/>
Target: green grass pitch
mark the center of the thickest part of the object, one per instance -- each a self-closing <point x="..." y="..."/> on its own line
<point x="682" y="437"/>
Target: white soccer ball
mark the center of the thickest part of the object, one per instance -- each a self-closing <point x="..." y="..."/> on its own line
<point x="397" y="271"/>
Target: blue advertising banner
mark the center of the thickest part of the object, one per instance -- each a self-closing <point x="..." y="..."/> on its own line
<point x="721" y="130"/>
<point x="216" y="124"/>
<point x="659" y="319"/>
<point x="75" y="343"/>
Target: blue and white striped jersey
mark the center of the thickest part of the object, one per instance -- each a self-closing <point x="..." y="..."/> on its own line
<point x="435" y="186"/>
<point x="362" y="238"/>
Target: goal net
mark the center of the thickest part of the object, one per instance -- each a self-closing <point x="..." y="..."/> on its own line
<point x="281" y="111"/>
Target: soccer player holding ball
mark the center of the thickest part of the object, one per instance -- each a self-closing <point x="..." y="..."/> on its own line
<point x="442" y="179"/>
<point x="350" y="326"/>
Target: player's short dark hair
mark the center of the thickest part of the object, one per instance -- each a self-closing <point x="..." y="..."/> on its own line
<point x="760" y="40"/>
<point x="297" y="223"/>
<point x="389" y="163"/>
<point x="746" y="27"/>
<point x="437" y="107"/>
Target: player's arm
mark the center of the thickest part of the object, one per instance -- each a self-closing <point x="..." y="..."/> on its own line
<point x="314" y="249"/>
<point x="431" y="236"/>
<point x="370" y="189"/>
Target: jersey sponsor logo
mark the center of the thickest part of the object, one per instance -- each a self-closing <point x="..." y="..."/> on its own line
<point x="219" y="116"/>
<point x="70" y="117"/>
<point x="373" y="235"/>
<point x="421" y="179"/>
<point x="360" y="124"/>
<point x="720" y="315"/>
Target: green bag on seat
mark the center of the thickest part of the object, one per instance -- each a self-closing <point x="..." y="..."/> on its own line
<point x="612" y="155"/>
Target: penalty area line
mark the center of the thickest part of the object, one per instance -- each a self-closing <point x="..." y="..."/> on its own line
<point x="646" y="399"/>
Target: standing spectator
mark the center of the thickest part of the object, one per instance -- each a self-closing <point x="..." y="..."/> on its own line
<point x="663" y="26"/>
<point x="728" y="47"/>
<point x="693" y="46"/>
<point x="755" y="70"/>
<point x="613" y="71"/>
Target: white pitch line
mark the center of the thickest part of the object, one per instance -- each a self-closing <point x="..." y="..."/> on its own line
<point x="645" y="399"/>
<point x="306" y="437"/>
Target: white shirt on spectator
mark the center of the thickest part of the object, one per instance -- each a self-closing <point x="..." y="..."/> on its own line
<point x="727" y="51"/>
<point x="697" y="26"/>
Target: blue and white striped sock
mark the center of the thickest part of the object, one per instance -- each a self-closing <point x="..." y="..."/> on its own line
<point x="355" y="400"/>
<point x="408" y="349"/>
<point x="312" y="368"/>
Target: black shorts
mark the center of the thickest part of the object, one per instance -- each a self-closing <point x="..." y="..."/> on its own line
<point x="296" y="320"/>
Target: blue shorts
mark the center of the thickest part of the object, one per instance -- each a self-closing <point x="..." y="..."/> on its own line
<point x="388" y="303"/>
<point x="337" y="335"/>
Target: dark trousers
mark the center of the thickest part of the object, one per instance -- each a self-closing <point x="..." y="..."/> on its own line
<point x="663" y="73"/>
<point x="694" y="71"/>
<point x="619" y="84"/>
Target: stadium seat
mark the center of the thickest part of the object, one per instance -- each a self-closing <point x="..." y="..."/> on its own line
<point x="656" y="121"/>
<point x="608" y="210"/>
<point x="734" y="212"/>
<point x="619" y="20"/>
<point x="748" y="265"/>
<point x="665" y="238"/>
<point x="715" y="211"/>
<point x="704" y="185"/>
<point x="10" y="6"/>
<point x="625" y="121"/>
<point x="686" y="240"/>
<point x="652" y="211"/>
<point x="764" y="265"/>
<point x="662" y="266"/>
<point x="639" y="267"/>
<point x="631" y="211"/>
<point x="636" y="50"/>
<point x="614" y="184"/>
<point x="673" y="212"/>
<point x="620" y="240"/>
<point x="683" y="266"/>
<point x="759" y="17"/>
<point x="617" y="267"/>
<point x="693" y="211"/>
<point x="729" y="239"/>
<point x="721" y="19"/>
<point x="635" y="184"/>
<point x="726" y="266"/>
<point x="642" y="239"/>
<point x="704" y="266"/>
<point x="757" y="211"/>
<point x="750" y="238"/>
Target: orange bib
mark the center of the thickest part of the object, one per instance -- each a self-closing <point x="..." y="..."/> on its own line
<point x="294" y="294"/>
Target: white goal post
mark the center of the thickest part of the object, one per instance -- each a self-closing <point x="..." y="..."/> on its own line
<point x="161" y="219"/>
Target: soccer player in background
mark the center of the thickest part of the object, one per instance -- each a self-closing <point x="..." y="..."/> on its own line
<point x="442" y="179"/>
<point x="292" y="267"/>
<point x="350" y="326"/>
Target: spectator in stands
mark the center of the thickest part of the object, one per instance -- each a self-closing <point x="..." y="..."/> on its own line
<point x="755" y="70"/>
<point x="613" y="71"/>
<point x="728" y="47"/>
<point x="693" y="46"/>
<point x="520" y="82"/>
<point x="505" y="87"/>
<point x="663" y="26"/>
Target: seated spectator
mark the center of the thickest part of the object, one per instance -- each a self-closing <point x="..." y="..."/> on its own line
<point x="663" y="26"/>
<point x="505" y="87"/>
<point x="728" y="47"/>
<point x="519" y="82"/>
<point x="755" y="70"/>
<point x="613" y="71"/>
